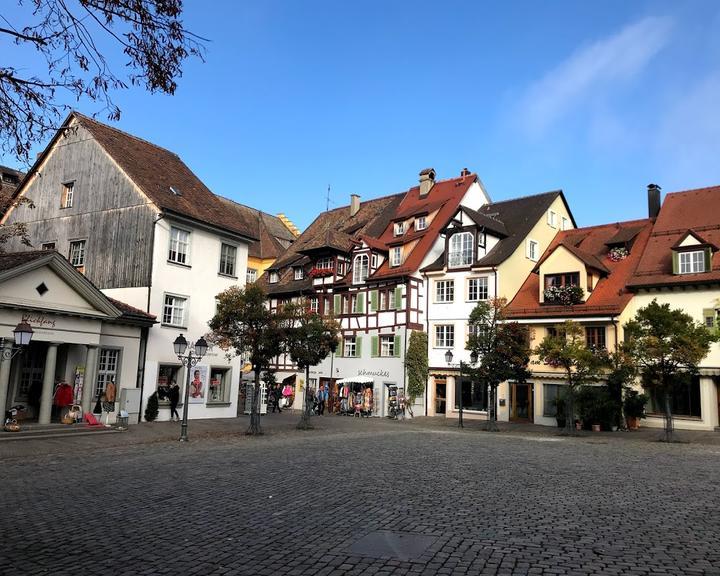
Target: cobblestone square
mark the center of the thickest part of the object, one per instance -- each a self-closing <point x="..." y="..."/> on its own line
<point x="297" y="503"/>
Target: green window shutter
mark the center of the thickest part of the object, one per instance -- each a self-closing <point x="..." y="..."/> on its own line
<point x="341" y="348"/>
<point x="676" y="262"/>
<point x="373" y="301"/>
<point x="708" y="259"/>
<point x="337" y="305"/>
<point x="361" y="303"/>
<point x="374" y="343"/>
<point x="358" y="347"/>
<point x="397" y="346"/>
<point x="398" y="297"/>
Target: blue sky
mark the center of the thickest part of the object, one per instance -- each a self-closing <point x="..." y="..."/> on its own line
<point x="596" y="98"/>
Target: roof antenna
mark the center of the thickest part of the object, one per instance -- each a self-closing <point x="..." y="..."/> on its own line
<point x="327" y="199"/>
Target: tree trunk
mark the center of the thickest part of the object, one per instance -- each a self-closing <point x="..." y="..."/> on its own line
<point x="254" y="429"/>
<point x="570" y="413"/>
<point x="668" y="417"/>
<point x="491" y="425"/>
<point x="304" y="423"/>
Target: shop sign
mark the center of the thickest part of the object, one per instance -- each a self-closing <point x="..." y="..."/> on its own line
<point x="374" y="373"/>
<point x="38" y="320"/>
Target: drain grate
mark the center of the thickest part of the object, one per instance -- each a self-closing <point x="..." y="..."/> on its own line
<point x="399" y="545"/>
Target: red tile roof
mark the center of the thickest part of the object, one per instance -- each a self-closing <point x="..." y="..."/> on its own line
<point x="609" y="296"/>
<point x="692" y="210"/>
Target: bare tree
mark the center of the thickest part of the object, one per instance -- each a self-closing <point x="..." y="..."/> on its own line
<point x="71" y="39"/>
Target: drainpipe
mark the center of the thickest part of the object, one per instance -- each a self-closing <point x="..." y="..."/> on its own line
<point x="425" y="294"/>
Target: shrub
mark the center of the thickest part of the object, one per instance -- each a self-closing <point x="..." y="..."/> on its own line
<point x="152" y="410"/>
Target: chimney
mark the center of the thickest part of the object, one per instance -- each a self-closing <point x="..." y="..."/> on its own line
<point x="653" y="200"/>
<point x="427" y="181"/>
<point x="464" y="172"/>
<point x="354" y="204"/>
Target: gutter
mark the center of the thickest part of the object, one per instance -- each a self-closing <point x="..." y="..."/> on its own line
<point x="427" y="331"/>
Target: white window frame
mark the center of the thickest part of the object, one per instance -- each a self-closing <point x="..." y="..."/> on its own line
<point x="444" y="291"/>
<point x="420" y="223"/>
<point x="565" y="223"/>
<point x="68" y="194"/>
<point x="175" y="303"/>
<point x="250" y="275"/>
<point x="179" y="246"/>
<point x="229" y="266"/>
<point x="444" y="336"/>
<point x="77" y="253"/>
<point x="532" y="249"/>
<point x="298" y="273"/>
<point x="361" y="268"/>
<point x="399" y="228"/>
<point x="552" y="218"/>
<point x="350" y="346"/>
<point x="314" y="304"/>
<point x="479" y="281"/>
<point x="107" y="368"/>
<point x="396" y="256"/>
<point x="461" y="255"/>
<point x="387" y="345"/>
<point x="374" y="261"/>
<point x="691" y="264"/>
<point x="273" y="277"/>
<point x="325" y="263"/>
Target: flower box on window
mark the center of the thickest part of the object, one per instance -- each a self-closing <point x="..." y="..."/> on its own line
<point x="618" y="253"/>
<point x="321" y="272"/>
<point x="565" y="295"/>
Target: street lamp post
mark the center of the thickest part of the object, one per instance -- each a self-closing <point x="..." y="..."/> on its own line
<point x="458" y="382"/>
<point x="22" y="334"/>
<point x="195" y="352"/>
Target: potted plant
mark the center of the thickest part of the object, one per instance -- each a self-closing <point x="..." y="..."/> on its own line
<point x="634" y="407"/>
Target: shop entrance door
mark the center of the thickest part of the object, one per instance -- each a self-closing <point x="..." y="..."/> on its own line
<point x="29" y="376"/>
<point x="521" y="402"/>
<point x="440" y="397"/>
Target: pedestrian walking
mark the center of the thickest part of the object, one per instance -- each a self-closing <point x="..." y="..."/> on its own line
<point x="275" y="395"/>
<point x="322" y="398"/>
<point x="174" y="398"/>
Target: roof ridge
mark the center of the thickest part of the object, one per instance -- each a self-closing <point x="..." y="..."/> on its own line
<point x="701" y="189"/>
<point x="594" y="226"/>
<point x="558" y="191"/>
<point x="246" y="206"/>
<point x="127" y="134"/>
<point x="345" y="206"/>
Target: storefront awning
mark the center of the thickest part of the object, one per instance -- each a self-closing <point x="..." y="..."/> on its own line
<point x="356" y="380"/>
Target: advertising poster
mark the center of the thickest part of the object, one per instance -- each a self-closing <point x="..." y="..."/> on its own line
<point x="198" y="384"/>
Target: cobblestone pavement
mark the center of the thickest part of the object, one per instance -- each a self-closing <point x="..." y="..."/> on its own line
<point x="295" y="503"/>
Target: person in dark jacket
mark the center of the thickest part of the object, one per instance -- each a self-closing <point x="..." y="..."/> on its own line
<point x="174" y="398"/>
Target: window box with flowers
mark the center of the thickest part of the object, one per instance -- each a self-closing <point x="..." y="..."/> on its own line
<point x="565" y="295"/>
<point x="618" y="253"/>
<point x="321" y="272"/>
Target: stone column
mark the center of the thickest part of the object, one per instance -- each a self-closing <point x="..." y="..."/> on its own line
<point x="48" y="381"/>
<point x="4" y="376"/>
<point x="89" y="378"/>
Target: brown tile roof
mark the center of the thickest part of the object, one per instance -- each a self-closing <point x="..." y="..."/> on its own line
<point x="10" y="260"/>
<point x="156" y="170"/>
<point x="333" y="231"/>
<point x="692" y="210"/>
<point x="274" y="236"/>
<point x="10" y="179"/>
<point x="609" y="296"/>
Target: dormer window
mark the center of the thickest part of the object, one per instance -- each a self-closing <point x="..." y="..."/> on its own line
<point x="692" y="254"/>
<point x="399" y="228"/>
<point x="691" y="262"/>
<point x="360" y="268"/>
<point x="460" y="250"/>
<point x="325" y="264"/>
<point x="273" y="277"/>
<point x="298" y="273"/>
<point x="396" y="256"/>
<point x="561" y="280"/>
<point x="420" y="223"/>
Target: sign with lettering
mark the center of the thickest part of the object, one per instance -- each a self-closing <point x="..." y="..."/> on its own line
<point x="38" y="320"/>
<point x="374" y="373"/>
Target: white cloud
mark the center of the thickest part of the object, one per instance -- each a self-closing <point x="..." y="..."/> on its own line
<point x="597" y="67"/>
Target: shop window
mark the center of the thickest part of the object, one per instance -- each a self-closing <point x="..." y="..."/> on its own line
<point x="167" y="375"/>
<point x="684" y="401"/>
<point x="174" y="310"/>
<point x="444" y="291"/>
<point x="477" y="289"/>
<point x="219" y="388"/>
<point x="551" y="392"/>
<point x="228" y="255"/>
<point x="474" y="396"/>
<point x="179" y="245"/>
<point x="108" y="361"/>
<point x="77" y="253"/>
<point x="250" y="275"/>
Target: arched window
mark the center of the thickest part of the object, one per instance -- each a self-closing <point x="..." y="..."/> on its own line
<point x="360" y="268"/>
<point x="460" y="250"/>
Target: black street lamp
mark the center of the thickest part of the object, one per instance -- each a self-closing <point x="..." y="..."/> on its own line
<point x="22" y="334"/>
<point x="458" y="382"/>
<point x="195" y="352"/>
